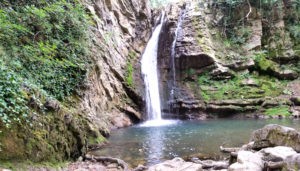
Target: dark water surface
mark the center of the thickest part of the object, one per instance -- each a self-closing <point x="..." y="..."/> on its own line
<point x="150" y="145"/>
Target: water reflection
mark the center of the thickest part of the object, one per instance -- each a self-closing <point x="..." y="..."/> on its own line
<point x="155" y="144"/>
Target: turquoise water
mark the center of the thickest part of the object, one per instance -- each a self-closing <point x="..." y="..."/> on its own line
<point x="150" y="145"/>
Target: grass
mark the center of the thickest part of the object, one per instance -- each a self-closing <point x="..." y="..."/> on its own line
<point x="282" y="110"/>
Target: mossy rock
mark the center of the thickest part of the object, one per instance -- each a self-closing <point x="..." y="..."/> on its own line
<point x="49" y="137"/>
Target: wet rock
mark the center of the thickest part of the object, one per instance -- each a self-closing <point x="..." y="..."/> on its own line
<point x="276" y="135"/>
<point x="296" y="100"/>
<point x="176" y="164"/>
<point x="247" y="161"/>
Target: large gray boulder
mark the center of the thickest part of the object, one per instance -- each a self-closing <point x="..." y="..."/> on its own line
<point x="176" y="164"/>
<point x="275" y="135"/>
<point x="279" y="153"/>
<point x="248" y="161"/>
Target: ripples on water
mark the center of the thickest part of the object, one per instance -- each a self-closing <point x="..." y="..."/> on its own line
<point x="150" y="145"/>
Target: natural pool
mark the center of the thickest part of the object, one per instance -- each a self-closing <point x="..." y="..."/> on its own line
<point x="150" y="145"/>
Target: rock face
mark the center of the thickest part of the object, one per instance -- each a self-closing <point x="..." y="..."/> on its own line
<point x="193" y="51"/>
<point x="123" y="32"/>
<point x="276" y="135"/>
<point x="106" y="100"/>
<point x="204" y="50"/>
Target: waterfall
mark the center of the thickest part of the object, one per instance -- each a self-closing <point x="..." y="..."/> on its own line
<point x="150" y="73"/>
<point x="173" y="53"/>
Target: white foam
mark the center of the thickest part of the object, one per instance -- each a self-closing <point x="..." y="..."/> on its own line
<point x="157" y="123"/>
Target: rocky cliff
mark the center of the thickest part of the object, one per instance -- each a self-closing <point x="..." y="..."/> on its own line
<point x="228" y="63"/>
<point x="109" y="97"/>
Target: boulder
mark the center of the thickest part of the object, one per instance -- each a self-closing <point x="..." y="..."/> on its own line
<point x="247" y="161"/>
<point x="293" y="161"/>
<point x="296" y="100"/>
<point x="286" y="74"/>
<point x="279" y="153"/>
<point x="176" y="164"/>
<point x="276" y="135"/>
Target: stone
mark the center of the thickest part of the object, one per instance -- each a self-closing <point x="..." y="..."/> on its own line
<point x="293" y="161"/>
<point x="238" y="66"/>
<point x="211" y="164"/>
<point x="269" y="103"/>
<point x="52" y="105"/>
<point x="279" y="153"/>
<point x="286" y="74"/>
<point x="195" y="60"/>
<point x="249" y="82"/>
<point x="238" y="102"/>
<point x="276" y="135"/>
<point x="80" y="159"/>
<point x="295" y="100"/>
<point x="176" y="164"/>
<point x="247" y="161"/>
<point x="256" y="34"/>
<point x="223" y="108"/>
<point x="112" y="165"/>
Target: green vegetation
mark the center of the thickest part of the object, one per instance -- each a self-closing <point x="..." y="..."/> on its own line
<point x="43" y="48"/>
<point x="262" y="63"/>
<point x="97" y="140"/>
<point x="24" y="165"/>
<point x="283" y="111"/>
<point x="130" y="69"/>
<point x="235" y="89"/>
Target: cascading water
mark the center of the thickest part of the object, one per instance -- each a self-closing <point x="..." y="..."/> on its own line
<point x="149" y="71"/>
<point x="173" y="53"/>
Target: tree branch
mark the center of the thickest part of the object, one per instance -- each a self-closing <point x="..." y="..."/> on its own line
<point x="250" y="9"/>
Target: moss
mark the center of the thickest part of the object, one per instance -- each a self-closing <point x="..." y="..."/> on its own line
<point x="282" y="110"/>
<point x="234" y="89"/>
<point x="29" y="165"/>
<point x="130" y="70"/>
<point x="98" y="140"/>
<point x="263" y="64"/>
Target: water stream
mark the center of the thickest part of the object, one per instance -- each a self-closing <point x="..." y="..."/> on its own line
<point x="173" y="55"/>
<point x="150" y="73"/>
